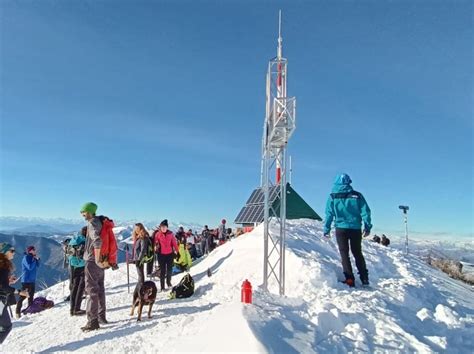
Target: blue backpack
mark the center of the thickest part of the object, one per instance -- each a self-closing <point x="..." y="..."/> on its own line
<point x="75" y="251"/>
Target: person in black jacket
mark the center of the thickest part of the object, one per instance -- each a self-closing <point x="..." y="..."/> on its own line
<point x="7" y="252"/>
<point x="141" y="243"/>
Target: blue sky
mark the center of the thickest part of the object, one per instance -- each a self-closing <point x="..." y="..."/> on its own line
<point x="155" y="109"/>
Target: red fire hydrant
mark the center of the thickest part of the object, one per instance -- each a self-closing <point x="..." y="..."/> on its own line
<point x="246" y="292"/>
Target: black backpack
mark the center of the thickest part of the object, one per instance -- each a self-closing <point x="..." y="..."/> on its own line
<point x="184" y="289"/>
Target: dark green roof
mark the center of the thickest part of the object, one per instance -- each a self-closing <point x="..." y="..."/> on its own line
<point x="296" y="207"/>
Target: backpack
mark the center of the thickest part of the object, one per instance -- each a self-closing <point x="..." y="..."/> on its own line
<point x="108" y="251"/>
<point x="39" y="304"/>
<point x="184" y="289"/>
<point x="150" y="252"/>
<point x="75" y="251"/>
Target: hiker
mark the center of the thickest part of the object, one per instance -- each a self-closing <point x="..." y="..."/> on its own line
<point x="75" y="251"/>
<point x="191" y="242"/>
<point x="141" y="243"/>
<point x="7" y="293"/>
<point x="150" y="265"/>
<point x="94" y="270"/>
<point x="385" y="241"/>
<point x="205" y="235"/>
<point x="181" y="235"/>
<point x="349" y="210"/>
<point x="66" y="265"/>
<point x="165" y="243"/>
<point x="210" y="241"/>
<point x="184" y="261"/>
<point x="222" y="232"/>
<point x="29" y="266"/>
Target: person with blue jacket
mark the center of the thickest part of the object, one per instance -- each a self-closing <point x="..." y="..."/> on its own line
<point x="77" y="263"/>
<point x="29" y="267"/>
<point x="350" y="212"/>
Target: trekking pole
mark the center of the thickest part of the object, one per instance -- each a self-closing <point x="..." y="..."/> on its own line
<point x="128" y="268"/>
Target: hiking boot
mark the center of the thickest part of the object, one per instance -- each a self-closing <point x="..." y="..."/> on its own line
<point x="79" y="312"/>
<point x="350" y="282"/>
<point x="103" y="320"/>
<point x="71" y="312"/>
<point x="365" y="282"/>
<point x="91" y="326"/>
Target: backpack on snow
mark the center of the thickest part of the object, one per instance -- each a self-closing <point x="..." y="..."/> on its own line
<point x="184" y="289"/>
<point x="39" y="304"/>
<point x="108" y="251"/>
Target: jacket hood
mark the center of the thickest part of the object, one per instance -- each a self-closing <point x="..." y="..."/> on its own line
<point x="106" y="222"/>
<point x="342" y="184"/>
<point x="77" y="240"/>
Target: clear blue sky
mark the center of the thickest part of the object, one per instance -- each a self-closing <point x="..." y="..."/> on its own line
<point x="155" y="109"/>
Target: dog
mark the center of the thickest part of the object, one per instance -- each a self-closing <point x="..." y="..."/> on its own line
<point x="144" y="295"/>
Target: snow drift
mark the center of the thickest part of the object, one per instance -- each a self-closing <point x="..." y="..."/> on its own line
<point x="410" y="307"/>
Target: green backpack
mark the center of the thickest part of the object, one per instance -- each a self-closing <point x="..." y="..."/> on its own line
<point x="149" y="252"/>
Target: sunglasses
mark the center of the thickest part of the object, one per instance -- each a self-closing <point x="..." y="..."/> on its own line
<point x="12" y="250"/>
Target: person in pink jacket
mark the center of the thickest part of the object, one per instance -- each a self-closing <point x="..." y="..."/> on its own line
<point x="167" y="249"/>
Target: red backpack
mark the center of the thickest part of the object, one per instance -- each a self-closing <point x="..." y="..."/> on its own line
<point x="108" y="251"/>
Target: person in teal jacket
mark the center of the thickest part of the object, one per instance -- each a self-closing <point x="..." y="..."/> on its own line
<point x="350" y="213"/>
<point x="77" y="263"/>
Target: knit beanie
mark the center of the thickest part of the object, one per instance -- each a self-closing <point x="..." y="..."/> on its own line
<point x="89" y="208"/>
<point x="5" y="247"/>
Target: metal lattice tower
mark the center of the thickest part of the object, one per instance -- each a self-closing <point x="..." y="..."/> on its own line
<point x="278" y="128"/>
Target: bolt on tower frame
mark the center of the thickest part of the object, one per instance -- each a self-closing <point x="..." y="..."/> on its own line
<point x="279" y="127"/>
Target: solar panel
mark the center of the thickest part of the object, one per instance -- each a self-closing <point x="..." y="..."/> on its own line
<point x="253" y="211"/>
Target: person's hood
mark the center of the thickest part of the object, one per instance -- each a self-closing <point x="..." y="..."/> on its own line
<point x="77" y="240"/>
<point x="342" y="184"/>
<point x="106" y="222"/>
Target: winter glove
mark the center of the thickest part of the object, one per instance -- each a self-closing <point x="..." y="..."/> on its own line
<point x="328" y="236"/>
<point x="176" y="256"/>
<point x="366" y="233"/>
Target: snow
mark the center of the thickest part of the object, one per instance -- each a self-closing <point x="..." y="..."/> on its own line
<point x="409" y="307"/>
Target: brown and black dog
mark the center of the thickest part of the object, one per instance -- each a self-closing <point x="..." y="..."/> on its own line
<point x="144" y="295"/>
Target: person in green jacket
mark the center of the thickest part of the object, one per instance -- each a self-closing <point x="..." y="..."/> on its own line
<point x="350" y="212"/>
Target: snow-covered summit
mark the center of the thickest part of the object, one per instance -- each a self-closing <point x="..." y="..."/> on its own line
<point x="410" y="307"/>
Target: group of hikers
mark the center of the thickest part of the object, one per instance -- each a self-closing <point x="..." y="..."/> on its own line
<point x="172" y="251"/>
<point x="87" y="262"/>
<point x="345" y="207"/>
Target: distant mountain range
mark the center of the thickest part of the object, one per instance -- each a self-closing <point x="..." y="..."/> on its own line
<point x="47" y="235"/>
<point x="51" y="268"/>
<point x="60" y="226"/>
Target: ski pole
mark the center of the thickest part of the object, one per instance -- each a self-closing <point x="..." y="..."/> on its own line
<point x="128" y="268"/>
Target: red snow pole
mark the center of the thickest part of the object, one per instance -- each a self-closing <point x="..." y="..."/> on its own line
<point x="246" y="292"/>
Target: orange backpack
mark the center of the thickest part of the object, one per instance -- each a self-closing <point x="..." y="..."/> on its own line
<point x="108" y="251"/>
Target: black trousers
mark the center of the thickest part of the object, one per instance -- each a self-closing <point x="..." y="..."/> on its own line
<point x="149" y="266"/>
<point x="77" y="290"/>
<point x="352" y="238"/>
<point x="166" y="269"/>
<point x="5" y="324"/>
<point x="140" y="272"/>
<point x="30" y="287"/>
